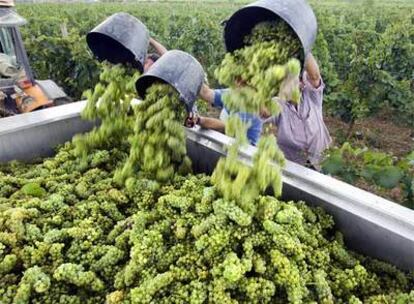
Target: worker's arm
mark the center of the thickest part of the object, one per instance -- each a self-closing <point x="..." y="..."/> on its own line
<point x="204" y="122"/>
<point x="211" y="123"/>
<point x="207" y="94"/>
<point x="312" y="71"/>
<point x="159" y="48"/>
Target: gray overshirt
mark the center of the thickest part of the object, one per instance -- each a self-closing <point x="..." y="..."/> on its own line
<point x="301" y="132"/>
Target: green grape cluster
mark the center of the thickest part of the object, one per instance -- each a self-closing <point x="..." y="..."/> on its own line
<point x="91" y="240"/>
<point x="33" y="280"/>
<point x="243" y="183"/>
<point x="279" y="32"/>
<point x="256" y="74"/>
<point x="262" y="70"/>
<point x="158" y="144"/>
<point x="151" y="130"/>
<point x="109" y="102"/>
<point x="266" y="257"/>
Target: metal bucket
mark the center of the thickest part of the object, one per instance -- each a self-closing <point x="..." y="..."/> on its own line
<point x="121" y="38"/>
<point x="296" y="13"/>
<point x="180" y="70"/>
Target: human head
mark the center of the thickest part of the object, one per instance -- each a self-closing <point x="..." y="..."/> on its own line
<point x="151" y="59"/>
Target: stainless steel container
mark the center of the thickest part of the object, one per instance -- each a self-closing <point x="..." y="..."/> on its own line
<point x="371" y="225"/>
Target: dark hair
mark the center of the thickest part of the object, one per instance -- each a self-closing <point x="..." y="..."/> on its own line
<point x="153" y="56"/>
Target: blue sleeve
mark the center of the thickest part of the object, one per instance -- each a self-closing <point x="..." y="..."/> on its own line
<point x="218" y="98"/>
<point x="255" y="123"/>
<point x="254" y="130"/>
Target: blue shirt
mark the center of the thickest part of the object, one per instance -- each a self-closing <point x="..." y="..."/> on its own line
<point x="255" y="123"/>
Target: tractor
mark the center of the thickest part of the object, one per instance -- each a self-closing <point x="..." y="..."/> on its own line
<point x="19" y="91"/>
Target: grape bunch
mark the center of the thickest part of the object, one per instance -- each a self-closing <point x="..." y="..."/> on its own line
<point x="276" y="32"/>
<point x="87" y="239"/>
<point x="158" y="145"/>
<point x="260" y="71"/>
<point x="109" y="103"/>
<point x="151" y="130"/>
<point x="256" y="74"/>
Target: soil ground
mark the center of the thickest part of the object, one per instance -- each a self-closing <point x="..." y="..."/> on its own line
<point x="382" y="135"/>
<point x="375" y="133"/>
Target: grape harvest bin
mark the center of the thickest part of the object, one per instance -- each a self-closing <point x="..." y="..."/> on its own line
<point x="372" y="225"/>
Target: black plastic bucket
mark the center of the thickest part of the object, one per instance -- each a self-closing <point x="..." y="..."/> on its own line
<point x="296" y="13"/>
<point x="121" y="38"/>
<point x="180" y="70"/>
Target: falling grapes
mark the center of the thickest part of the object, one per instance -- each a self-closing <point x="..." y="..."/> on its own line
<point x="255" y="74"/>
<point x="158" y="143"/>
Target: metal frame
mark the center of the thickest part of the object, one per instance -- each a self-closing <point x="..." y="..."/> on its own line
<point x="15" y="21"/>
<point x="21" y="53"/>
<point x="371" y="225"/>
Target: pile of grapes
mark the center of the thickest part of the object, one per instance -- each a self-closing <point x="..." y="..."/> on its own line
<point x="104" y="222"/>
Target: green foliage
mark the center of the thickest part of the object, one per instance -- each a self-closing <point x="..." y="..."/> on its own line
<point x="367" y="61"/>
<point x="64" y="59"/>
<point x="376" y="168"/>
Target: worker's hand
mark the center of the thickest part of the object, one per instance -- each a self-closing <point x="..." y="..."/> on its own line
<point x="264" y="113"/>
<point x="192" y="120"/>
<point x="289" y="89"/>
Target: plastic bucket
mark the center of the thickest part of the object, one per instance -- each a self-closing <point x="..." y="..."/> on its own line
<point x="121" y="38"/>
<point x="180" y="70"/>
<point x="296" y="13"/>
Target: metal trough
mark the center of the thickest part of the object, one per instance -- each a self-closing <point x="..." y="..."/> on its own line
<point x="372" y="225"/>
